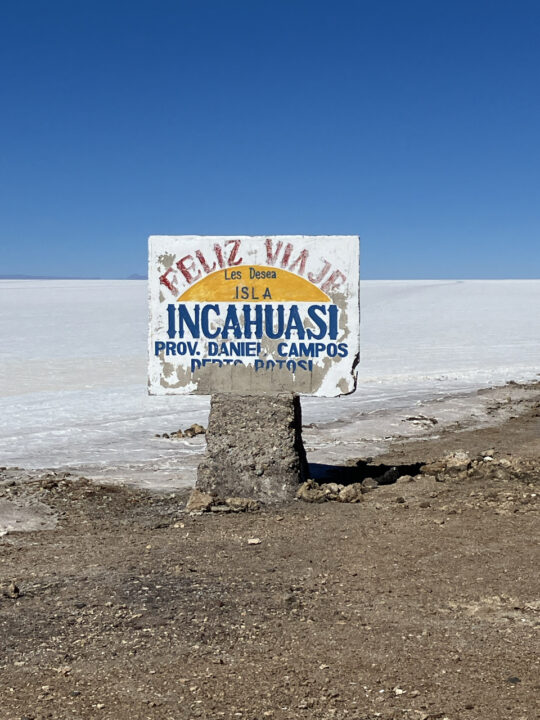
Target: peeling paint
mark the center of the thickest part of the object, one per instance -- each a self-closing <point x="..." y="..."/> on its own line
<point x="205" y="346"/>
<point x="166" y="261"/>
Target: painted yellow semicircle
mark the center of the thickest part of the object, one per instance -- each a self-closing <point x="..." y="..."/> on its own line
<point x="260" y="286"/>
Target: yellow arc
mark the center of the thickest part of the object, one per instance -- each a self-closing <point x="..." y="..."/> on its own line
<point x="226" y="286"/>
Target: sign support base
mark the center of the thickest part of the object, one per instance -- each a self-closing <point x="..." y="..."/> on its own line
<point x="254" y="448"/>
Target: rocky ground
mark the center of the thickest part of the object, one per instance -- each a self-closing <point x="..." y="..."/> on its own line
<point x="417" y="600"/>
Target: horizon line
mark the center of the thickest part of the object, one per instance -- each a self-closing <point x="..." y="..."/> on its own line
<point x="138" y="277"/>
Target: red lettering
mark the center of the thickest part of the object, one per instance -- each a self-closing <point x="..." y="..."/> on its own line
<point x="188" y="271"/>
<point x="301" y="262"/>
<point x="334" y="281"/>
<point x="272" y="259"/>
<point x="286" y="255"/>
<point x="232" y="256"/>
<point x="200" y="257"/>
<point x="164" y="280"/>
<point x="219" y="255"/>
<point x="317" y="280"/>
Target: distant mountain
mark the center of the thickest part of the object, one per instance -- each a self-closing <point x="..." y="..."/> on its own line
<point x="135" y="276"/>
<point x="45" y="277"/>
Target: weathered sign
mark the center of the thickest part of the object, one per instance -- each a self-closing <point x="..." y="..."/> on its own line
<point x="253" y="315"/>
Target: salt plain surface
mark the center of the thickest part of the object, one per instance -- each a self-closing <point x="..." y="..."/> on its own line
<point x="73" y="381"/>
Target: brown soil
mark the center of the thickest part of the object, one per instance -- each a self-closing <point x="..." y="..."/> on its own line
<point x="420" y="602"/>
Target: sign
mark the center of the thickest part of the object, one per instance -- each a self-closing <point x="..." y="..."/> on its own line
<point x="253" y="315"/>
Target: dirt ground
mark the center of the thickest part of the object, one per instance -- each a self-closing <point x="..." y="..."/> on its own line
<point x="421" y="601"/>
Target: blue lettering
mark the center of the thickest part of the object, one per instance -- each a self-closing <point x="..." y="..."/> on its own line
<point x="171" y="313"/>
<point x="294" y="324"/>
<point x="269" y="321"/>
<point x="205" y="324"/>
<point x="333" y="312"/>
<point x="231" y="324"/>
<point x="313" y="314"/>
<point x="282" y="349"/>
<point x="193" y="324"/>
<point x="249" y="323"/>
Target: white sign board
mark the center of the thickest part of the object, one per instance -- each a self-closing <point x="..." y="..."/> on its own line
<point x="253" y="315"/>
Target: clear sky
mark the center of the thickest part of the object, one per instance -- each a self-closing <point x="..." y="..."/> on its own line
<point x="413" y="123"/>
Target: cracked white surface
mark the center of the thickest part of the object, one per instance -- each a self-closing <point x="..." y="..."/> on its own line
<point x="73" y="380"/>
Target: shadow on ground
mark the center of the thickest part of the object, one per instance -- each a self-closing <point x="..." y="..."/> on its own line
<point x="358" y="470"/>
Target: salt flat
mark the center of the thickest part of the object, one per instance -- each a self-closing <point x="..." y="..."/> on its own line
<point x="73" y="381"/>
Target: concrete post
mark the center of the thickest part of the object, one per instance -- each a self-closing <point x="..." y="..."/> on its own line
<point x="254" y="448"/>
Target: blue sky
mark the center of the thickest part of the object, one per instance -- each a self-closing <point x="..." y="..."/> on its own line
<point x="414" y="124"/>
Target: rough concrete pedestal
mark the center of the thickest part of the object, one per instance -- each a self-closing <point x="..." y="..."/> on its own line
<point x="254" y="448"/>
